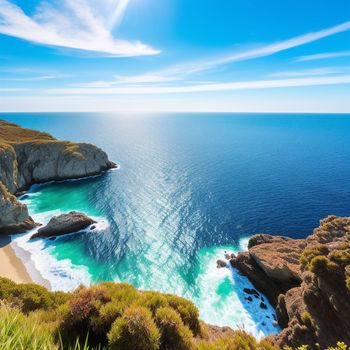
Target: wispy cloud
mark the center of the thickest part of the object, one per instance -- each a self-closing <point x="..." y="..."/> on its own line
<point x="12" y="90"/>
<point x="37" y="78"/>
<point x="76" y="24"/>
<point x="309" y="72"/>
<point x="323" y="56"/>
<point x="182" y="71"/>
<point x="231" y="86"/>
<point x="274" y="48"/>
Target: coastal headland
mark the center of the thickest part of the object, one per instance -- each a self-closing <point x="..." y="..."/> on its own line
<point x="28" y="157"/>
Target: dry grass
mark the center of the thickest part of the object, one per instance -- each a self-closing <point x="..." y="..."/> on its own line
<point x="12" y="134"/>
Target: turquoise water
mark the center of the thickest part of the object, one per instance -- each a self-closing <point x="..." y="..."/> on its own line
<point x="189" y="188"/>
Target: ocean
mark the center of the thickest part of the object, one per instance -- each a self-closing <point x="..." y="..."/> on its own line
<point x="188" y="188"/>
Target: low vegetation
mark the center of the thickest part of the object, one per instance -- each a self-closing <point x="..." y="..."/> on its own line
<point x="11" y="133"/>
<point x="329" y="256"/>
<point x="113" y="316"/>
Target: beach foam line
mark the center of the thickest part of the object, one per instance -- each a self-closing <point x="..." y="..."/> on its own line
<point x="41" y="264"/>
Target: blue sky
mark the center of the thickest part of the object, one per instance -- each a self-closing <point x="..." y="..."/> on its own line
<point x="175" y="55"/>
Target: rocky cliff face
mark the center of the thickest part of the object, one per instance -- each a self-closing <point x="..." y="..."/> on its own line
<point x="308" y="281"/>
<point x="28" y="156"/>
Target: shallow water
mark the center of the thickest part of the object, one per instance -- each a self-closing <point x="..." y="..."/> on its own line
<point x="190" y="187"/>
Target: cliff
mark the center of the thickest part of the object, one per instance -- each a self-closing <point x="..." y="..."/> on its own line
<point x="307" y="280"/>
<point x="28" y="156"/>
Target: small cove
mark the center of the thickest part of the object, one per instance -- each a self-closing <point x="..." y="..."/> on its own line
<point x="189" y="188"/>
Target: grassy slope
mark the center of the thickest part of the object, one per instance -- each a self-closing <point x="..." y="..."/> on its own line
<point x="12" y="133"/>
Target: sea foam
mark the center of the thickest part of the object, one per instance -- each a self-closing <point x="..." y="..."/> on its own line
<point x="61" y="274"/>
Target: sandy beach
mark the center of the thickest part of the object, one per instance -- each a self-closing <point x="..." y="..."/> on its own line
<point x="11" y="266"/>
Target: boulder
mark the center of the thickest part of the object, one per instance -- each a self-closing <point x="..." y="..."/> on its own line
<point x="64" y="224"/>
<point x="221" y="263"/>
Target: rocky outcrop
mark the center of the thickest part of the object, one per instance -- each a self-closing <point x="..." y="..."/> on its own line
<point x="13" y="214"/>
<point x="29" y="156"/>
<point x="64" y="224"/>
<point x="308" y="281"/>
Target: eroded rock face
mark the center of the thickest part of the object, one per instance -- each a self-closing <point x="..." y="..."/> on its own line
<point x="28" y="156"/>
<point x="279" y="258"/>
<point x="64" y="224"/>
<point x="308" y="281"/>
<point x="13" y="214"/>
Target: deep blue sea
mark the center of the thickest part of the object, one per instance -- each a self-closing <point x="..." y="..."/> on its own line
<point x="189" y="187"/>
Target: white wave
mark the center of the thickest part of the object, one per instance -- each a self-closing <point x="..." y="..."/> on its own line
<point x="61" y="274"/>
<point x="221" y="298"/>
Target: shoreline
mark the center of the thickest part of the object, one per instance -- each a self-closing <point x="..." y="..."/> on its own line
<point x="17" y="265"/>
<point x="12" y="266"/>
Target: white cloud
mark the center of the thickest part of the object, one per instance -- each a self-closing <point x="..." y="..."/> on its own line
<point x="231" y="86"/>
<point x="36" y="78"/>
<point x="76" y="24"/>
<point x="309" y="72"/>
<point x="181" y="71"/>
<point x="274" y="48"/>
<point x="12" y="90"/>
<point x="323" y="56"/>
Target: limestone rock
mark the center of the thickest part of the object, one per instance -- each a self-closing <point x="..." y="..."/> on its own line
<point x="28" y="156"/>
<point x="13" y="214"/>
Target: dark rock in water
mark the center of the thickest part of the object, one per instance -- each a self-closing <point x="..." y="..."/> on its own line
<point x="92" y="227"/>
<point x="263" y="305"/>
<point x="64" y="224"/>
<point x="221" y="263"/>
<point x="248" y="298"/>
<point x="250" y="291"/>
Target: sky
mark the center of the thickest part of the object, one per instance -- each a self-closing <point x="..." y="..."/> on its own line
<point x="175" y="55"/>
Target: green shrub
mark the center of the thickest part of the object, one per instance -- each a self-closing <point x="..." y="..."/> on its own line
<point x="339" y="346"/>
<point x="340" y="257"/>
<point x="311" y="252"/>
<point x="174" y="334"/>
<point x="135" y="330"/>
<point x="306" y="319"/>
<point x="348" y="283"/>
<point x="239" y="340"/>
<point x="319" y="264"/>
<point x="153" y="301"/>
<point x="30" y="296"/>
<point x="188" y="312"/>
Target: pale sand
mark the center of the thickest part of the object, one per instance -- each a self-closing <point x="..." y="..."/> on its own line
<point x="12" y="267"/>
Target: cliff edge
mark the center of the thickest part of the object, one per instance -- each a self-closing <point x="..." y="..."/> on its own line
<point x="29" y="156"/>
<point x="307" y="280"/>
